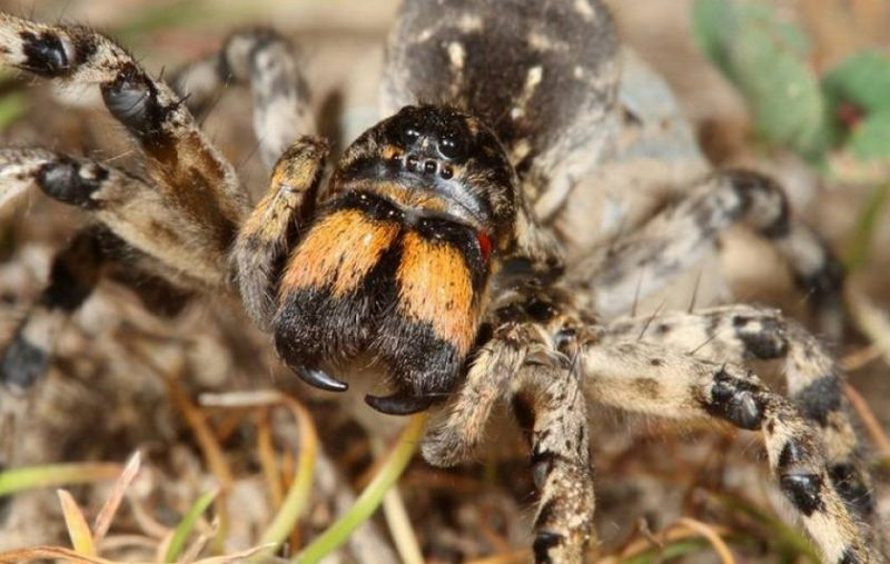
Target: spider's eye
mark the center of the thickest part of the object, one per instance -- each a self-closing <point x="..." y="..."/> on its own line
<point x="410" y="136"/>
<point x="451" y="147"/>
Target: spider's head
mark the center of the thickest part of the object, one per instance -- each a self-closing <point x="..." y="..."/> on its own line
<point x="437" y="161"/>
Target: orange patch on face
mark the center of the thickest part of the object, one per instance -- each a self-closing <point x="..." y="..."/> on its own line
<point x="436" y="287"/>
<point x="408" y="198"/>
<point x="339" y="251"/>
<point x="390" y="151"/>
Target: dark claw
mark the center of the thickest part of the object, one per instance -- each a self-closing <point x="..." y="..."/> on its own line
<point x="321" y="380"/>
<point x="399" y="403"/>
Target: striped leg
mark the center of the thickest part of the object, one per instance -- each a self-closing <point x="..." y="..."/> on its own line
<point x="133" y="209"/>
<point x="550" y="403"/>
<point x="738" y="334"/>
<point x="519" y="364"/>
<point x="680" y="236"/>
<point x="74" y="273"/>
<point x="542" y="336"/>
<point x="668" y="382"/>
<point x="182" y="163"/>
<point x="92" y="253"/>
<point x="266" y="61"/>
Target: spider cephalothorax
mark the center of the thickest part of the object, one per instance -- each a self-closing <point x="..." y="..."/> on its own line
<point x="396" y="262"/>
<point x="396" y="255"/>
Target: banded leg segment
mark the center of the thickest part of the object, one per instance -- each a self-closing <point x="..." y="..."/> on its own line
<point x="133" y="209"/>
<point x="73" y="275"/>
<point x="265" y="238"/>
<point x="266" y="61"/>
<point x="739" y="334"/>
<point x="518" y="364"/>
<point x="664" y="381"/>
<point x="681" y="235"/>
<point x="182" y="162"/>
<point x="75" y="271"/>
<point x="551" y="402"/>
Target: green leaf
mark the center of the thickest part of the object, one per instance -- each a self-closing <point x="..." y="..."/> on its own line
<point x="870" y="140"/>
<point x="782" y="91"/>
<point x="766" y="58"/>
<point x="712" y="20"/>
<point x="862" y="79"/>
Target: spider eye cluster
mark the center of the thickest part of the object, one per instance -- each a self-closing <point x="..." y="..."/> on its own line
<point x="432" y="132"/>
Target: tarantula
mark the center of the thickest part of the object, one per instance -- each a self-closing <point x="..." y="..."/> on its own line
<point x="430" y="248"/>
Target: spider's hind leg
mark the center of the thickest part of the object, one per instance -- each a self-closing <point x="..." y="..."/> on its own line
<point x="267" y="62"/>
<point x="73" y="275"/>
<point x="75" y="271"/>
<point x="678" y="237"/>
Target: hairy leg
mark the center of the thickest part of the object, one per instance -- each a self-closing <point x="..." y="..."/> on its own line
<point x="132" y="208"/>
<point x="739" y="334"/>
<point x="520" y="364"/>
<point x="667" y="382"/>
<point x="550" y="404"/>
<point x="272" y="228"/>
<point x="73" y="275"/>
<point x="545" y="329"/>
<point x="680" y="236"/>
<point x="265" y="61"/>
<point x="183" y="165"/>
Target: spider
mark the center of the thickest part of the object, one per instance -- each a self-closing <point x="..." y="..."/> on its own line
<point x="430" y="247"/>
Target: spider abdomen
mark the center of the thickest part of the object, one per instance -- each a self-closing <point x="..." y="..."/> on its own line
<point x="370" y="278"/>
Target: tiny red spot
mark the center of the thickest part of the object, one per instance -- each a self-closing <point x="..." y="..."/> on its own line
<point x="484" y="245"/>
<point x="849" y="114"/>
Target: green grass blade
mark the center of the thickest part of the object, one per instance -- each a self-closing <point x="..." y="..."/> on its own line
<point x="16" y="480"/>
<point x="863" y="233"/>
<point x="370" y="499"/>
<point x="185" y="527"/>
<point x="298" y="496"/>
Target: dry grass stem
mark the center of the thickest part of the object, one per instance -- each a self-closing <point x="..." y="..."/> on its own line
<point x="106" y="515"/>
<point x="871" y="423"/>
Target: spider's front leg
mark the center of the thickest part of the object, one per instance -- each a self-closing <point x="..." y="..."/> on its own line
<point x="667" y="382"/>
<point x="184" y="165"/>
<point x="175" y="225"/>
<point x="739" y="334"/>
<point x="521" y="364"/>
